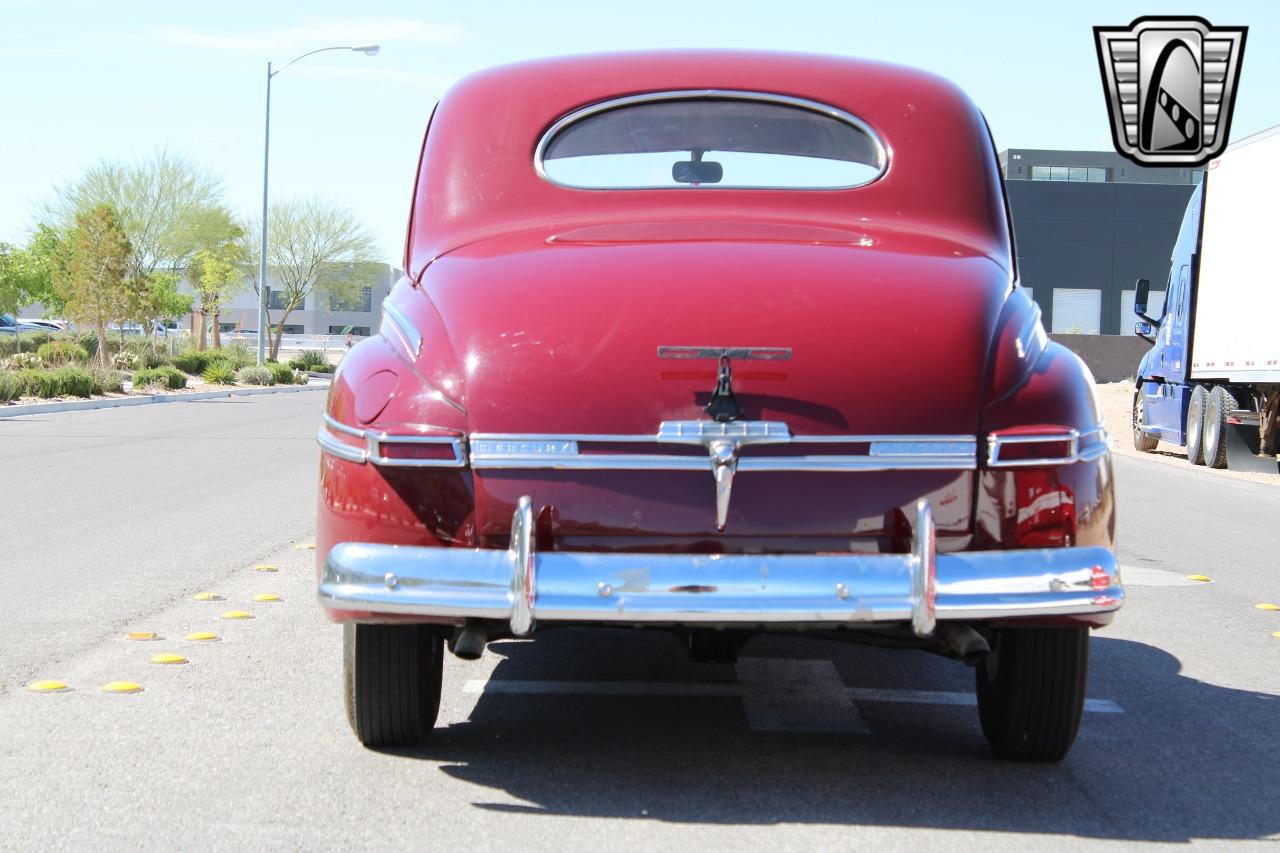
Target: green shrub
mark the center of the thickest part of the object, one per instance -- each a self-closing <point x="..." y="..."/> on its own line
<point x="31" y="341"/>
<point x="192" y="361"/>
<point x="37" y="383"/>
<point x="73" y="381"/>
<point x="105" y="381"/>
<point x="239" y="355"/>
<point x="283" y="373"/>
<point x="255" y="376"/>
<point x="62" y="351"/>
<point x="167" y="376"/>
<point x="10" y="386"/>
<point x="220" y="372"/>
<point x="17" y="361"/>
<point x="310" y="360"/>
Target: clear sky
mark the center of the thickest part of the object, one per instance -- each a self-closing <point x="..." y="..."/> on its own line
<point x="120" y="78"/>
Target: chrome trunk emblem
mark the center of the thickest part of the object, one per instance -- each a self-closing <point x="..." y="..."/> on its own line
<point x="724" y="406"/>
<point x="722" y="441"/>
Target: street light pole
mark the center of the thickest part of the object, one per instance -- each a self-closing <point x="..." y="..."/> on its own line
<point x="262" y="261"/>
<point x="367" y="50"/>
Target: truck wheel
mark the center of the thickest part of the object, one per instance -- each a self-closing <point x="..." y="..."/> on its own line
<point x="1142" y="440"/>
<point x="1196" y="425"/>
<point x="392" y="676"/>
<point x="1221" y="403"/>
<point x="1031" y="691"/>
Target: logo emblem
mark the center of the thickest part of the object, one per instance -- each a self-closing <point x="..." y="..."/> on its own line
<point x="1170" y="85"/>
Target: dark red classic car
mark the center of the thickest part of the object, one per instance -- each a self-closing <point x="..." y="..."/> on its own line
<point x="715" y="343"/>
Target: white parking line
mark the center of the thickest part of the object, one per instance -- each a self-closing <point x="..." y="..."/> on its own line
<point x="797" y="696"/>
<point x="777" y="694"/>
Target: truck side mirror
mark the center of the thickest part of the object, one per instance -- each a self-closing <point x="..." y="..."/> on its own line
<point x="1144" y="330"/>
<point x="1141" y="291"/>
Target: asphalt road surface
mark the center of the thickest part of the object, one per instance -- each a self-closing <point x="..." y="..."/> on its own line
<point x="113" y="521"/>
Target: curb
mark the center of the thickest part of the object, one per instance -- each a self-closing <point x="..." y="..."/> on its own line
<point x="115" y="402"/>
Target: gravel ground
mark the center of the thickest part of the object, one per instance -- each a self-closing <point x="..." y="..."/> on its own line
<point x="1117" y="414"/>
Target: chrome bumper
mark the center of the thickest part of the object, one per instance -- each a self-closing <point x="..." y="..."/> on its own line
<point x="521" y="586"/>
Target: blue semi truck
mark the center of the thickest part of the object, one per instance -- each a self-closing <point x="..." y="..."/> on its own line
<point x="1211" y="380"/>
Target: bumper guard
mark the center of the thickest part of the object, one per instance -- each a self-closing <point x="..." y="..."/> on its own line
<point x="521" y="585"/>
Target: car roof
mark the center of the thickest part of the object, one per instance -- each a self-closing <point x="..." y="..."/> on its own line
<point x="477" y="177"/>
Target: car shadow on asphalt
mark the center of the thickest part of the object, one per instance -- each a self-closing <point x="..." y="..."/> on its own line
<point x="1185" y="759"/>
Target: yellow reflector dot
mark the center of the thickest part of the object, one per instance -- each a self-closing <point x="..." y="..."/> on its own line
<point x="168" y="657"/>
<point x="1276" y="634"/>
<point x="200" y="636"/>
<point x="266" y="596"/>
<point x="265" y="567"/>
<point x="237" y="614"/>
<point x="304" y="546"/>
<point x="1200" y="578"/>
<point x="1267" y="606"/>
<point x="140" y="635"/>
<point x="121" y="687"/>
<point x="208" y="596"/>
<point x="50" y="686"/>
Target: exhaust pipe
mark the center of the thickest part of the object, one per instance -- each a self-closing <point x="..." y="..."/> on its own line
<point x="468" y="642"/>
<point x="966" y="643"/>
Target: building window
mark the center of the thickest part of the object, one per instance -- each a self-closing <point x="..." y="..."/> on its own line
<point x="294" y="329"/>
<point x="362" y="301"/>
<point x="1069" y="173"/>
<point x="358" y="331"/>
<point x="276" y="300"/>
<point x="1077" y="311"/>
<point x="228" y="327"/>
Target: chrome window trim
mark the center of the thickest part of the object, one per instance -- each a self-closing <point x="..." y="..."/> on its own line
<point x="371" y="451"/>
<point x="1081" y="447"/>
<point x="882" y="155"/>
<point x="404" y="328"/>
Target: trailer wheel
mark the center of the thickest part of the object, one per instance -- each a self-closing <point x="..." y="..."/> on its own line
<point x="1196" y="425"/>
<point x="1031" y="690"/>
<point x="392" y="676"/>
<point x="1221" y="403"/>
<point x="1141" y="440"/>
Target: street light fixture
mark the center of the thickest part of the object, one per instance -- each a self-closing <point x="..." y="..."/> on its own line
<point x="367" y="50"/>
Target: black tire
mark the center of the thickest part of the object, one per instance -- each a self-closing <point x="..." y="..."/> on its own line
<point x="1143" y="441"/>
<point x="1195" y="425"/>
<point x="1031" y="691"/>
<point x="1221" y="403"/>
<point x="392" y="676"/>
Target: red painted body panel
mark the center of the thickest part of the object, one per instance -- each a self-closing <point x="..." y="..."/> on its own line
<point x="541" y="309"/>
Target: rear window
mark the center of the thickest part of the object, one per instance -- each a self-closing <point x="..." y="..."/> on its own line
<point x="710" y="140"/>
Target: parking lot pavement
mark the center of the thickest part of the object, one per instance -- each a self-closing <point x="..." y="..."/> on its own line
<point x="611" y="738"/>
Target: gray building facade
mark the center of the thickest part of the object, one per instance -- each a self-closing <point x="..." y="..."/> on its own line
<point x="1086" y="225"/>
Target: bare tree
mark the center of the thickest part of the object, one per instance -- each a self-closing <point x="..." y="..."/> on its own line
<point x="314" y="247"/>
